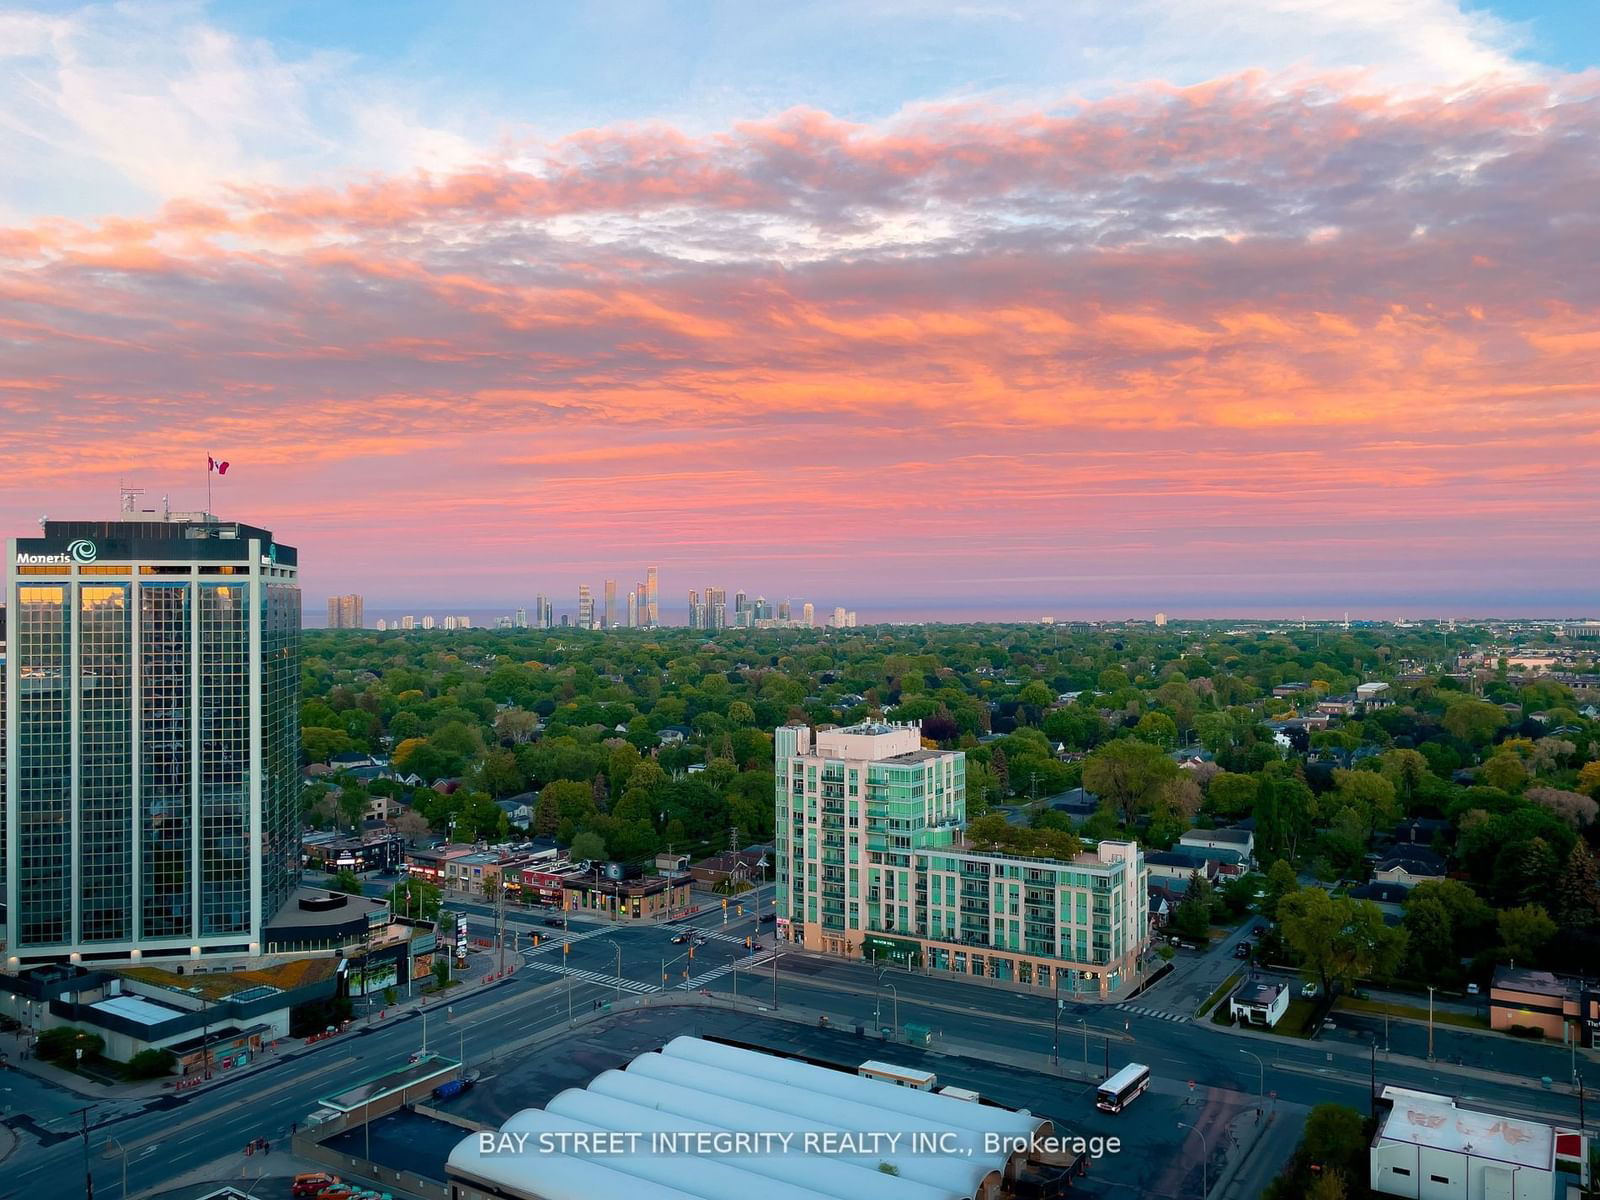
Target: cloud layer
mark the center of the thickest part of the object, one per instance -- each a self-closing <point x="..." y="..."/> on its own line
<point x="1263" y="338"/>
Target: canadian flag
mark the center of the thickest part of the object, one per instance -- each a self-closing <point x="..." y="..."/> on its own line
<point x="221" y="468"/>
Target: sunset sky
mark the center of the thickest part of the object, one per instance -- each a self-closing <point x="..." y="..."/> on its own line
<point x="1084" y="307"/>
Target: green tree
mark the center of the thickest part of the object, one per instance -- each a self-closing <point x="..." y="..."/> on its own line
<point x="346" y="881"/>
<point x="1158" y="729"/>
<point x="1285" y="810"/>
<point x="1524" y="932"/>
<point x="1337" y="939"/>
<point x="1335" y="1138"/>
<point x="415" y="898"/>
<point x="1128" y="775"/>
<point x="353" y="804"/>
<point x="587" y="847"/>
<point x="1578" y="891"/>
<point x="1504" y="771"/>
<point x="1231" y="795"/>
<point x="1474" y="721"/>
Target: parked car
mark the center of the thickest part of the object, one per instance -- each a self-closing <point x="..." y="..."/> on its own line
<point x="1243" y="950"/>
<point x="312" y="1183"/>
<point x="1309" y="990"/>
<point x="1472" y="989"/>
<point x="700" y="941"/>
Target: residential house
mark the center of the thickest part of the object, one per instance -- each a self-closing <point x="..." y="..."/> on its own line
<point x="1374" y="695"/>
<point x="1240" y="841"/>
<point x="729" y="868"/>
<point x="519" y="809"/>
<point x="1177" y="868"/>
<point x="1389" y="897"/>
<point x="1259" y="1003"/>
<point x="674" y="735"/>
<point x="1409" y="866"/>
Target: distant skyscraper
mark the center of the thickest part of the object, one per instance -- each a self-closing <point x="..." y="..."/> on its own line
<point x="808" y="614"/>
<point x="784" y="612"/>
<point x="652" y="609"/>
<point x="151" y="725"/>
<point x="611" y="604"/>
<point x="1161" y="620"/>
<point x="427" y="622"/>
<point x="519" y="619"/>
<point x="346" y="612"/>
<point x="463" y="622"/>
<point x="838" y="618"/>
<point x="382" y="625"/>
<point x="633" y="610"/>
<point x="408" y="622"/>
<point x="544" y="613"/>
<point x="850" y="619"/>
<point x="450" y="622"/>
<point x="740" y="602"/>
<point x="585" y="607"/>
<point x="694" y="609"/>
<point x="716" y="609"/>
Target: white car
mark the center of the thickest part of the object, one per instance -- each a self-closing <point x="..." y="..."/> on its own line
<point x="1472" y="989"/>
<point x="1309" y="991"/>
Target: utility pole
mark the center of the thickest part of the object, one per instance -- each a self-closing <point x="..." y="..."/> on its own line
<point x="1055" y="1053"/>
<point x="1430" y="1022"/>
<point x="500" y="918"/>
<point x="88" y="1177"/>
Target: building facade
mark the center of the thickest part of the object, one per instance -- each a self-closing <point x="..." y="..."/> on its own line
<point x="151" y="781"/>
<point x="347" y="612"/>
<point x="871" y="863"/>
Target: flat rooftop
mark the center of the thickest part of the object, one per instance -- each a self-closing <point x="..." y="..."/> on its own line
<point x="1435" y="1122"/>
<point x="138" y="1009"/>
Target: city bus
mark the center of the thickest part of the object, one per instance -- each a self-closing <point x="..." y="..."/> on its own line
<point x="910" y="1077"/>
<point x="1118" y="1092"/>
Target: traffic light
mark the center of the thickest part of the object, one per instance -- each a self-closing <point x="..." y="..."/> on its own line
<point x="691" y="951"/>
<point x="747" y="943"/>
<point x="724" y="902"/>
<point x="741" y="909"/>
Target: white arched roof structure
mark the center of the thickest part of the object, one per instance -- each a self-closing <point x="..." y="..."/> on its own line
<point x="979" y="1118"/>
<point x="945" y="1150"/>
<point x="844" y="1178"/>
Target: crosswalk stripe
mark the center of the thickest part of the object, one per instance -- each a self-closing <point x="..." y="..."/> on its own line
<point x="555" y="939"/>
<point x="719" y="972"/>
<point x="1158" y="1013"/>
<point x="610" y="981"/>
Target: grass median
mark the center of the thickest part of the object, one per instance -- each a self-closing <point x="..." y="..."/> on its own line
<point x="1226" y="986"/>
<point x="1406" y="1012"/>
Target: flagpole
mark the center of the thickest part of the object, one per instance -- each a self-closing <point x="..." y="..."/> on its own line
<point x="208" y="485"/>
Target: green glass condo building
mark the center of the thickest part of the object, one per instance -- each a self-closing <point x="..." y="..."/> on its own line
<point x="151" y="675"/>
<point x="872" y="863"/>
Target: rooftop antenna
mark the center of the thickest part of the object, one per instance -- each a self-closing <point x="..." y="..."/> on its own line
<point x="42" y="520"/>
<point x="130" y="497"/>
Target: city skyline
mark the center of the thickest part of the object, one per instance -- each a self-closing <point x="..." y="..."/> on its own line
<point x="1061" y="308"/>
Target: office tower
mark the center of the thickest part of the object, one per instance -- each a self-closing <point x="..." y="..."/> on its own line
<point x="652" y="610"/>
<point x="850" y="619"/>
<point x="346" y="612"/>
<point x="463" y="622"/>
<point x="427" y="622"/>
<point x="1161" y="620"/>
<point x="566" y="620"/>
<point x="740" y="602"/>
<point x="808" y="614"/>
<point x="716" y="609"/>
<point x="694" y="609"/>
<point x="449" y="622"/>
<point x="152" y="737"/>
<point x="408" y="622"/>
<point x="633" y="610"/>
<point x="585" y="607"/>
<point x="784" y="612"/>
<point x="872" y="863"/>
<point x="544" y="613"/>
<point x="838" y="618"/>
<point x="611" y="604"/>
<point x="519" y="619"/>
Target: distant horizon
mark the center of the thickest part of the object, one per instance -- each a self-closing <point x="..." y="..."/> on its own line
<point x="484" y="616"/>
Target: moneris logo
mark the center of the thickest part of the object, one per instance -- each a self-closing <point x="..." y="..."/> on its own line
<point x="82" y="550"/>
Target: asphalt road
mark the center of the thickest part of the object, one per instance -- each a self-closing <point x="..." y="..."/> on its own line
<point x="169" y="1136"/>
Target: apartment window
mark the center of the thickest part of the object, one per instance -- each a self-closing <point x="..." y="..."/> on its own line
<point x="1439" y="1178"/>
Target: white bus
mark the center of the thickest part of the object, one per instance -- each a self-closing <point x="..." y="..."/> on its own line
<point x="1118" y="1092"/>
<point x="909" y="1077"/>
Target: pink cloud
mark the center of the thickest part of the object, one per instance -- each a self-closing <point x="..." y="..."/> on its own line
<point x="1223" y="328"/>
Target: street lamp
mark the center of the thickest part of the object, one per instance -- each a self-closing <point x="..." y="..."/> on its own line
<point x="1261" y="1090"/>
<point x="1205" y="1160"/>
<point x="895" y="992"/>
<point x="450" y="1015"/>
<point x="1430" y="1022"/>
<point x="1085" y="1025"/>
